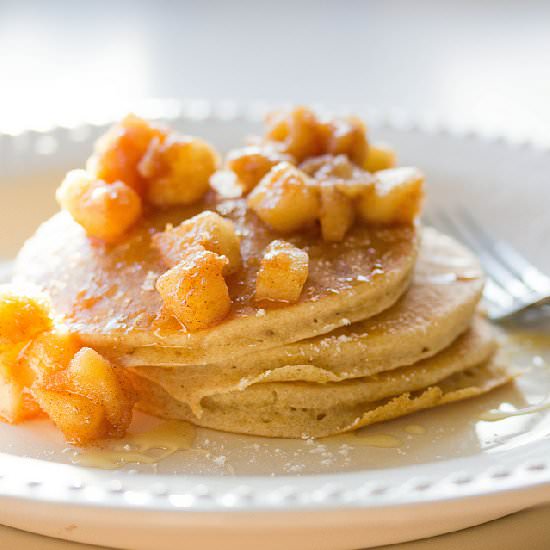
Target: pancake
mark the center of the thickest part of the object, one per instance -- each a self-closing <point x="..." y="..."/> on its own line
<point x="305" y="387"/>
<point x="106" y="293"/>
<point x="276" y="421"/>
<point x="437" y="308"/>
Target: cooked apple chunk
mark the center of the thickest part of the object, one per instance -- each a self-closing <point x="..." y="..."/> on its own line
<point x="379" y="157"/>
<point x="285" y="199"/>
<point x="282" y="274"/>
<point x="338" y="171"/>
<point x="207" y="229"/>
<point x="251" y="164"/>
<point x="397" y="197"/>
<point x="177" y="170"/>
<point x="50" y="352"/>
<point x="80" y="419"/>
<point x="346" y="136"/>
<point x="24" y="313"/>
<point x="194" y="291"/>
<point x="91" y="375"/>
<point x="118" y="152"/>
<point x="324" y="166"/>
<point x="302" y="133"/>
<point x="104" y="210"/>
<point x="16" y="403"/>
<point x="88" y="400"/>
<point x="297" y="131"/>
<point x="337" y="213"/>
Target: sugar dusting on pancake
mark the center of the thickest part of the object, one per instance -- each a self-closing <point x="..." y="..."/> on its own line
<point x="425" y="320"/>
<point x="107" y="296"/>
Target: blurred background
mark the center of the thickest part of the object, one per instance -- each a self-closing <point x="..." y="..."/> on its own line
<point x="482" y="64"/>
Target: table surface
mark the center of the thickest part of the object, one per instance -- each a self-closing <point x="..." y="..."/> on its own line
<point x="529" y="529"/>
<point x="481" y="64"/>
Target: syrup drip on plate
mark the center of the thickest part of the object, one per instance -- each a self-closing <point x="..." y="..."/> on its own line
<point x="384" y="441"/>
<point x="149" y="447"/>
<point x="497" y="414"/>
<point x="415" y="429"/>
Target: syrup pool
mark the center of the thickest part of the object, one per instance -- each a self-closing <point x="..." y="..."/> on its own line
<point x="147" y="447"/>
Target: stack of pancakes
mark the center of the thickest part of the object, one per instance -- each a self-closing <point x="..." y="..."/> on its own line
<point x="386" y="325"/>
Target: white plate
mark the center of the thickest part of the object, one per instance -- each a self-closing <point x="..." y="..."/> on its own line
<point x="331" y="494"/>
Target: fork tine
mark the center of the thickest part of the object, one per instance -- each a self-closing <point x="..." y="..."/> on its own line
<point x="494" y="294"/>
<point x="499" y="272"/>
<point x="514" y="261"/>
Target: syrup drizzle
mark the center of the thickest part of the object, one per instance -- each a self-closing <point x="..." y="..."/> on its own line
<point x="149" y="447"/>
<point x="497" y="414"/>
<point x="384" y="441"/>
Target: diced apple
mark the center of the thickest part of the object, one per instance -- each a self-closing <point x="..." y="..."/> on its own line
<point x="337" y="213"/>
<point x="104" y="210"/>
<point x="282" y="274"/>
<point x="79" y="418"/>
<point x="177" y="170"/>
<point x="285" y="199"/>
<point x="194" y="291"/>
<point x="379" y="157"/>
<point x="251" y="164"/>
<point x="397" y="197"/>
<point x="207" y="229"/>
<point x="24" y="314"/>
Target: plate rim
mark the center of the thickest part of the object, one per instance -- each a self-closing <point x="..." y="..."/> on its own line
<point x="32" y="478"/>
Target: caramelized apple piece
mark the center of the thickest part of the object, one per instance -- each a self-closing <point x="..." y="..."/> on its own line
<point x="43" y="368"/>
<point x="99" y="395"/>
<point x="285" y="199"/>
<point x="51" y="352"/>
<point x="194" y="291"/>
<point x="346" y="136"/>
<point x="299" y="132"/>
<point x="16" y="404"/>
<point x="208" y="229"/>
<point x="397" y="197"/>
<point x="340" y="172"/>
<point x="91" y="375"/>
<point x="118" y="152"/>
<point x="24" y="313"/>
<point x="337" y="213"/>
<point x="104" y="210"/>
<point x="379" y="157"/>
<point x="283" y="272"/>
<point x="177" y="170"/>
<point x="251" y="164"/>
<point x="303" y="134"/>
<point x="328" y="166"/>
<point x="79" y="418"/>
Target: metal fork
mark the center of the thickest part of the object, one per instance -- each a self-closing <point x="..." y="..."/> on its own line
<point x="514" y="285"/>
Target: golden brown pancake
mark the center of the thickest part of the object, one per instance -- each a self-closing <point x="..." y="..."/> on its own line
<point x="292" y="422"/>
<point x="470" y="349"/>
<point x="107" y="296"/>
<point x="436" y="308"/>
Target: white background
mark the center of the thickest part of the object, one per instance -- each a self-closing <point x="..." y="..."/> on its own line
<point x="483" y="63"/>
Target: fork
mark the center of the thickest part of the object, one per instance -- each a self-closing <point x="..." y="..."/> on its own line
<point x="514" y="285"/>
